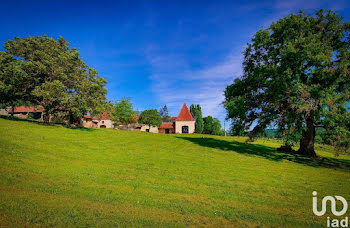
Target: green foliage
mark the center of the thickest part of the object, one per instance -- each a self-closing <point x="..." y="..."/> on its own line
<point x="196" y="111"/>
<point x="59" y="118"/>
<point x="52" y="95"/>
<point x="296" y="77"/>
<point x="237" y="130"/>
<point x="212" y="126"/>
<point x="163" y="112"/>
<point x="269" y="133"/>
<point x="75" y="177"/>
<point x="166" y="118"/>
<point x="150" y="117"/>
<point x="47" y="72"/>
<point x="15" y="83"/>
<point x="272" y="133"/>
<point x="30" y="116"/>
<point x="318" y="139"/>
<point x="123" y="112"/>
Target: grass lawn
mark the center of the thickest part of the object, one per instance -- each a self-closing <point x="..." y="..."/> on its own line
<point x="58" y="176"/>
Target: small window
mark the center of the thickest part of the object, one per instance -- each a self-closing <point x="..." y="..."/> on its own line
<point x="103" y="122"/>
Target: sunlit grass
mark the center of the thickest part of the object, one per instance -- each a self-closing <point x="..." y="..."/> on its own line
<point x="57" y="176"/>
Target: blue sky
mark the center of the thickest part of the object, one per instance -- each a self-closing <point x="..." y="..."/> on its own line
<point x="157" y="52"/>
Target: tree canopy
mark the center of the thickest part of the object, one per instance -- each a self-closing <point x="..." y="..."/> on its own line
<point x="44" y="71"/>
<point x="196" y="111"/>
<point x="15" y="83"/>
<point x="151" y="118"/>
<point x="296" y="77"/>
<point x="163" y="112"/>
<point x="212" y="126"/>
<point x="123" y="112"/>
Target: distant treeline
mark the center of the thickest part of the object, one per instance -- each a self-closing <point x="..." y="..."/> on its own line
<point x="274" y="134"/>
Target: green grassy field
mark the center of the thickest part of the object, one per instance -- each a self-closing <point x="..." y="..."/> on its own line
<point x="58" y="176"/>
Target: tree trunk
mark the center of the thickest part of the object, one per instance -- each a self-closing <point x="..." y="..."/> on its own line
<point x="12" y="110"/>
<point x="71" y="118"/>
<point x="46" y="118"/>
<point x="307" y="140"/>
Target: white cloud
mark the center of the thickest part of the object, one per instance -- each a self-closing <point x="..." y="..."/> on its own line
<point x="174" y="82"/>
<point x="230" y="67"/>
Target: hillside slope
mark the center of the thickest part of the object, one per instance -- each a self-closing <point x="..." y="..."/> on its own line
<point x="57" y="176"/>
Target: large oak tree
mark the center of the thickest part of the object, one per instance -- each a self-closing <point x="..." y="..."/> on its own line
<point x="44" y="71"/>
<point x="296" y="77"/>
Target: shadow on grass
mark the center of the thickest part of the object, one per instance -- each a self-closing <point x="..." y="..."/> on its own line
<point x="268" y="152"/>
<point x="13" y="118"/>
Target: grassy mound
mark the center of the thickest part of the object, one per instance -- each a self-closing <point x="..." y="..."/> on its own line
<point x="58" y="176"/>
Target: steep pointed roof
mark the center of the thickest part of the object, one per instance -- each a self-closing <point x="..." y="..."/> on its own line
<point x="185" y="114"/>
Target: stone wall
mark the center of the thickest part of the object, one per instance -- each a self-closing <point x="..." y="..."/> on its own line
<point x="153" y="129"/>
<point x="89" y="124"/>
<point x="107" y="123"/>
<point x="3" y="112"/>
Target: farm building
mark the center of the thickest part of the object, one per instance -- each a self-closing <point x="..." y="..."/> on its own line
<point x="182" y="124"/>
<point x="99" y="121"/>
<point x="23" y="111"/>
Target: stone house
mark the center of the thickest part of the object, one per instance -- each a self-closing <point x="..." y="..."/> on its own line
<point x="184" y="122"/>
<point x="99" y="121"/>
<point x="167" y="128"/>
<point x="87" y="122"/>
<point x="23" y="111"/>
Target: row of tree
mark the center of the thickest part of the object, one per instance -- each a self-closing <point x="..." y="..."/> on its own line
<point x="206" y="125"/>
<point x="124" y="113"/>
<point x="47" y="72"/>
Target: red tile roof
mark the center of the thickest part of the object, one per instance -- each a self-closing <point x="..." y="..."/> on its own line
<point x="27" y="109"/>
<point x="167" y="125"/>
<point x="104" y="116"/>
<point x="185" y="114"/>
<point x="87" y="117"/>
<point x="173" y="118"/>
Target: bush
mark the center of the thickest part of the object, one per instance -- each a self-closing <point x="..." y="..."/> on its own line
<point x="30" y="116"/>
<point x="60" y="118"/>
<point x="318" y="139"/>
